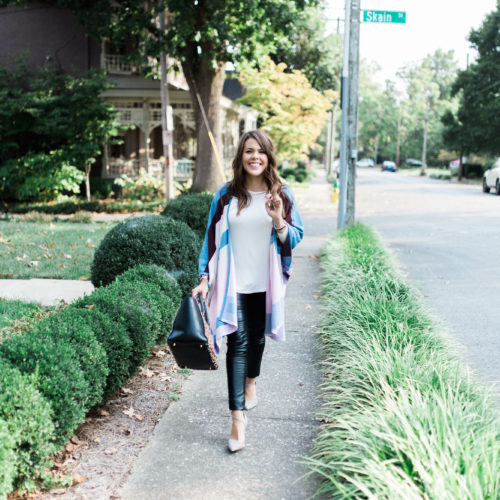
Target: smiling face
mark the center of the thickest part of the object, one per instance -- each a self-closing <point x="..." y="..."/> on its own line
<point x="254" y="158"/>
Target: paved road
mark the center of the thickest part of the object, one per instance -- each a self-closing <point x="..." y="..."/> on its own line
<point x="448" y="239"/>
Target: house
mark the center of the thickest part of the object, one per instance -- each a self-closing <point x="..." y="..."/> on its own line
<point x="51" y="35"/>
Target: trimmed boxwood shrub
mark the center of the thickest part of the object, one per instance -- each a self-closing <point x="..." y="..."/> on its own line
<point x="59" y="377"/>
<point x="191" y="209"/>
<point x="29" y="421"/>
<point x="68" y="327"/>
<point x="134" y="305"/>
<point x="7" y="465"/>
<point x="152" y="239"/>
<point x="115" y="340"/>
<point x="169" y="293"/>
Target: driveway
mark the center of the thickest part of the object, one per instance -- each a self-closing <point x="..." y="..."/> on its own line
<point x="447" y="237"/>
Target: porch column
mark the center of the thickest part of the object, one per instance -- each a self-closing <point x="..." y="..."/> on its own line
<point x="145" y="129"/>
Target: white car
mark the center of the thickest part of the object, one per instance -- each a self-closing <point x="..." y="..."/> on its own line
<point x="365" y="162"/>
<point x="491" y="178"/>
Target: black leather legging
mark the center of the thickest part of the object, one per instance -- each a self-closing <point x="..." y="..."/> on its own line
<point x="245" y="346"/>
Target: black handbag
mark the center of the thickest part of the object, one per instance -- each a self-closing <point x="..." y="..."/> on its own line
<point x="191" y="340"/>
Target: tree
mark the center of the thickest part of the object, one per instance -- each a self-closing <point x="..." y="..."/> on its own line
<point x="308" y="48"/>
<point x="52" y="128"/>
<point x="203" y="35"/>
<point x="477" y="122"/>
<point x="293" y="113"/>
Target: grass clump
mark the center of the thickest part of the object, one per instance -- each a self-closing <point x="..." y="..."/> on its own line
<point x="405" y="419"/>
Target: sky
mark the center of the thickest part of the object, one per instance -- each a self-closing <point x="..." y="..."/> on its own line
<point x="430" y="25"/>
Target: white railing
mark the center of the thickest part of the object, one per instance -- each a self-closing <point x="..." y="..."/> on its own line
<point x="183" y="168"/>
<point x="118" y="65"/>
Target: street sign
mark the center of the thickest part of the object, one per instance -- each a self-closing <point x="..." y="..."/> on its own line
<point x="383" y="16"/>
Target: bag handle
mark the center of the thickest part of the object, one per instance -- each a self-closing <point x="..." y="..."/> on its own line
<point x="203" y="307"/>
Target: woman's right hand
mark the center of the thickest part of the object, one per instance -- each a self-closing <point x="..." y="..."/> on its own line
<point x="201" y="289"/>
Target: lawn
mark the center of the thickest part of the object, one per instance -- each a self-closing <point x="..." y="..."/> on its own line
<point x="60" y="250"/>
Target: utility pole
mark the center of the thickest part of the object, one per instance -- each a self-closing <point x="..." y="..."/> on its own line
<point x="349" y="134"/>
<point x="166" y="121"/>
<point x="399" y="135"/>
<point x="424" y="145"/>
<point x="328" y="164"/>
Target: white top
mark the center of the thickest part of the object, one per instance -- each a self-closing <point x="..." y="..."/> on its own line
<point x="250" y="241"/>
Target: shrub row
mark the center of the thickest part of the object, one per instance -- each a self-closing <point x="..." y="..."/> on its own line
<point x="71" y="207"/>
<point x="404" y="418"/>
<point x="66" y="363"/>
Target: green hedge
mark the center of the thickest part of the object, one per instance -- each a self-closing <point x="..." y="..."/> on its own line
<point x="60" y="378"/>
<point x="7" y="460"/>
<point x="29" y="421"/>
<point x="115" y="339"/>
<point x="151" y="239"/>
<point x="135" y="306"/>
<point x="71" y="207"/>
<point x="68" y="327"/>
<point x="192" y="209"/>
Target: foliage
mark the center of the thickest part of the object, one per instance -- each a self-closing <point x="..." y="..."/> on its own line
<point x="151" y="239"/>
<point x="308" y="48"/>
<point x="403" y="417"/>
<point x="292" y="111"/>
<point x="52" y="128"/>
<point x="191" y="209"/>
<point x="71" y="207"/>
<point x="59" y="377"/>
<point x="29" y="421"/>
<point x="115" y="340"/>
<point x="203" y="36"/>
<point x="7" y="459"/>
<point x="475" y="126"/>
<point x="145" y="187"/>
<point x="136" y="306"/>
<point x="69" y="328"/>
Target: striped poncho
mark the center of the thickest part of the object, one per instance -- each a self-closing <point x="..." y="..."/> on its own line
<point x="217" y="262"/>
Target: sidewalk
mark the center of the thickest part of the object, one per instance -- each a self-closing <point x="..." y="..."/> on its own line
<point x="187" y="458"/>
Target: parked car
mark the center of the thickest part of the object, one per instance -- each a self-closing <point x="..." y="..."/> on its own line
<point x="413" y="163"/>
<point x="491" y="178"/>
<point x="388" y="165"/>
<point x="365" y="162"/>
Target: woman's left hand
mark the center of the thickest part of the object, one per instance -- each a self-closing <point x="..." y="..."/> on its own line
<point x="274" y="208"/>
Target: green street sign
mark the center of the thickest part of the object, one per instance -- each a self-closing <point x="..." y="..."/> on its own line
<point x="383" y="16"/>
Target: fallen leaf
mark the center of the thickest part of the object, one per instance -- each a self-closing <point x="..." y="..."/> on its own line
<point x="61" y="266"/>
<point x="315" y="297"/>
<point x="47" y="254"/>
<point x="67" y="256"/>
<point x="127" y="391"/>
<point x="139" y="417"/>
<point x="51" y="245"/>
<point x="97" y="440"/>
<point x="8" y="275"/>
<point x="160" y="354"/>
<point x="75" y="440"/>
<point x="308" y="306"/>
<point x="70" y="447"/>
<point x="19" y="258"/>
<point x="59" y="491"/>
<point x="146" y="372"/>
<point x="78" y="478"/>
<point x="324" y="420"/>
<point x="34" y="263"/>
<point x="91" y="307"/>
<point x="127" y="432"/>
<point x="130" y="412"/>
<point x="103" y="413"/>
<point x="110" y="451"/>
<point x="84" y="278"/>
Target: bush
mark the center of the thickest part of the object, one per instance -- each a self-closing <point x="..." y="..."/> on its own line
<point x="169" y="296"/>
<point x="59" y="378"/>
<point x="288" y="173"/>
<point x="192" y="209"/>
<point x="115" y="340"/>
<point x="134" y="305"/>
<point x="82" y="217"/>
<point x="29" y="421"/>
<point x="6" y="461"/>
<point x="151" y="239"/>
<point x="145" y="187"/>
<point x="68" y="327"/>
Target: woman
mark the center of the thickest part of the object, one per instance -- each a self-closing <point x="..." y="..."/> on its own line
<point x="244" y="266"/>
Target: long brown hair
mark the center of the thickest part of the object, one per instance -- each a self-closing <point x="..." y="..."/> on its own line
<point x="237" y="186"/>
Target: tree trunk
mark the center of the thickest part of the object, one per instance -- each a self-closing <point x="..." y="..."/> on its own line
<point x="424" y="145"/>
<point x="460" y="166"/>
<point x="207" y="82"/>
<point x="87" y="181"/>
